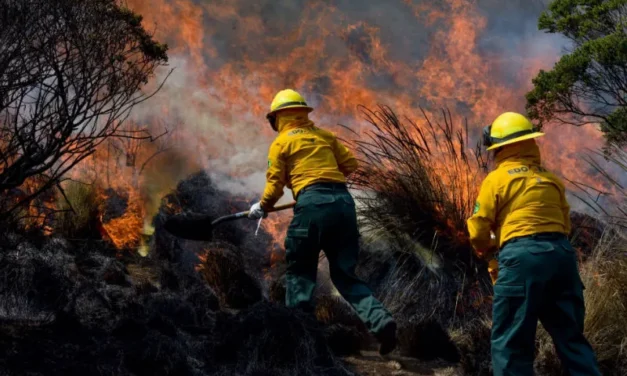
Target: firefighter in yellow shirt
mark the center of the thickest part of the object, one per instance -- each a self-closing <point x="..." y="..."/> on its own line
<point x="314" y="164"/>
<point x="525" y="206"/>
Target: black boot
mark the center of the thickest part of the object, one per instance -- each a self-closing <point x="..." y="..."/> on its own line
<point x="387" y="338"/>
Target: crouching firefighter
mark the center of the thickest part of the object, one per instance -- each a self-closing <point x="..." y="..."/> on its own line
<point x="314" y="165"/>
<point x="538" y="279"/>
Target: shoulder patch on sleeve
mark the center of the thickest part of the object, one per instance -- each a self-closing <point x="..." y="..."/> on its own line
<point x="269" y="163"/>
<point x="477" y="206"/>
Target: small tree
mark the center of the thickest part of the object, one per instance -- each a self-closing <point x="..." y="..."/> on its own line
<point x="588" y="85"/>
<point x="70" y="73"/>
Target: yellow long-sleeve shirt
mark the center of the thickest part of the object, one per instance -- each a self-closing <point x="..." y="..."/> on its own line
<point x="303" y="154"/>
<point x="518" y="198"/>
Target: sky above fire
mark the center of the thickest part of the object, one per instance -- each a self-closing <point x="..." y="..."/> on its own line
<point x="476" y="58"/>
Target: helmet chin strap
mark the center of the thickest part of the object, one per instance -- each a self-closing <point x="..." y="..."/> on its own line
<point x="487" y="138"/>
<point x="272" y="120"/>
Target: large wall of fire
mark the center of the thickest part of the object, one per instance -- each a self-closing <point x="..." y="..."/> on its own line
<point x="476" y="58"/>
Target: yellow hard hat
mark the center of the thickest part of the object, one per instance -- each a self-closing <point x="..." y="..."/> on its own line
<point x="288" y="98"/>
<point x="508" y="128"/>
<point x="283" y="100"/>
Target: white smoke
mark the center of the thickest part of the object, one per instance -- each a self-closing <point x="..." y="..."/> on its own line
<point x="234" y="154"/>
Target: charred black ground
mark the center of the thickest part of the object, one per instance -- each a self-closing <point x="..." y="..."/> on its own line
<point x="74" y="308"/>
<point x="216" y="308"/>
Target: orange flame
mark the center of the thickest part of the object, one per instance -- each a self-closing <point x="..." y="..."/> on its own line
<point x="125" y="231"/>
<point x="202" y="261"/>
<point x="133" y="167"/>
<point x="276" y="225"/>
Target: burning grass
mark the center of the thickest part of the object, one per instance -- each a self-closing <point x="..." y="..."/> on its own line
<point x="78" y="205"/>
<point x="124" y="231"/>
<point x="418" y="180"/>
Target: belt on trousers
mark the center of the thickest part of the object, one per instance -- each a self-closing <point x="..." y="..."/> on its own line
<point x="340" y="187"/>
<point x="538" y="236"/>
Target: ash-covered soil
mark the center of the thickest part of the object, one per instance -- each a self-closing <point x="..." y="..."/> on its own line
<point x="76" y="307"/>
<point x="68" y="311"/>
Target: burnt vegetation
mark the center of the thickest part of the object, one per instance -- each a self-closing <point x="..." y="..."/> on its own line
<point x="73" y="304"/>
<point x="73" y="307"/>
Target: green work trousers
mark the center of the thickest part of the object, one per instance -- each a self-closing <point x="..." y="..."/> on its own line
<point x="324" y="219"/>
<point x="538" y="280"/>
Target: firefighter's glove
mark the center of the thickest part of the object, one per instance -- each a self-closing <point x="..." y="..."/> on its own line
<point x="256" y="212"/>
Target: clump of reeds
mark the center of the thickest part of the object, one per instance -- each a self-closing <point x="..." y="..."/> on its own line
<point x="421" y="180"/>
<point x="416" y="187"/>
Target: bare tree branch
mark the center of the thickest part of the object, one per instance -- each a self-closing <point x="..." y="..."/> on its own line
<point x="70" y="73"/>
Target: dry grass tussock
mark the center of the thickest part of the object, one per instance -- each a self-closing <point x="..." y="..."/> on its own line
<point x="416" y="186"/>
<point x="78" y="209"/>
<point x="418" y="180"/>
